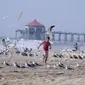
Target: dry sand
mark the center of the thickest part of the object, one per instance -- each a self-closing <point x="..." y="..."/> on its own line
<point x="42" y="75"/>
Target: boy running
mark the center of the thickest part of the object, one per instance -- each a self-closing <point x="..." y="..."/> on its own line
<point x="46" y="44"/>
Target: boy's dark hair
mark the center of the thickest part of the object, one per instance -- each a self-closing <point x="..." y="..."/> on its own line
<point x="48" y="38"/>
<point x="3" y="39"/>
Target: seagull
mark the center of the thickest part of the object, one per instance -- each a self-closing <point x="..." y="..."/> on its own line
<point x="80" y="57"/>
<point x="50" y="28"/>
<point x="14" y="64"/>
<point x="77" y="65"/>
<point x="48" y="66"/>
<point x="68" y="68"/>
<point x="36" y="54"/>
<point x="60" y="56"/>
<point x="26" y="64"/>
<point x="33" y="64"/>
<point x="30" y="54"/>
<point x="24" y="54"/>
<point x="54" y="66"/>
<point x="75" y="56"/>
<point x="22" y="66"/>
<point x="5" y="17"/>
<point x="71" y="56"/>
<point x="61" y="65"/>
<point x="54" y="55"/>
<point x="17" y="65"/>
<point x="5" y="63"/>
<point x="30" y="65"/>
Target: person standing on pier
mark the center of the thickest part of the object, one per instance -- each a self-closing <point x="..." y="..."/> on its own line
<point x="46" y="44"/>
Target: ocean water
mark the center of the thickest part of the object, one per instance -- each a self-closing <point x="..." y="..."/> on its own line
<point x="68" y="45"/>
<point x="56" y="45"/>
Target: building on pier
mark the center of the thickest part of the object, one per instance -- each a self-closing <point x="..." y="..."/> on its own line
<point x="33" y="31"/>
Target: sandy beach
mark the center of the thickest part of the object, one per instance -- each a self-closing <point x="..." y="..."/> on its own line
<point x="41" y="75"/>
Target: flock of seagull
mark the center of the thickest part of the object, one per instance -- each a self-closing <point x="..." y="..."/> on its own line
<point x="26" y="52"/>
<point x="61" y="65"/>
<point x="31" y="64"/>
<point x="71" y="56"/>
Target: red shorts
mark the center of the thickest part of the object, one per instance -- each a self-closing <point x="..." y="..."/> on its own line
<point x="45" y="52"/>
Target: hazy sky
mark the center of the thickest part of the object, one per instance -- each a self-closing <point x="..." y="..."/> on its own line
<point x="66" y="15"/>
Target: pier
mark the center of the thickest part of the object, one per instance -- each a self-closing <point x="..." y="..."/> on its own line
<point x="60" y="34"/>
<point x="57" y="36"/>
